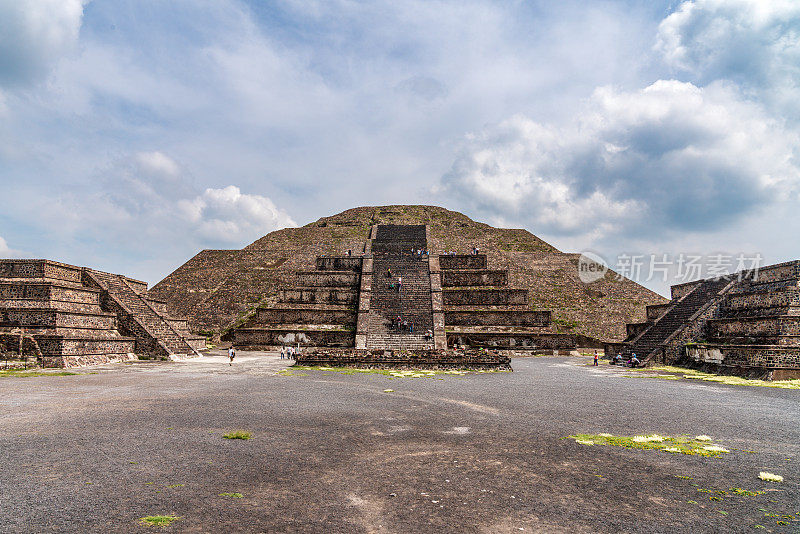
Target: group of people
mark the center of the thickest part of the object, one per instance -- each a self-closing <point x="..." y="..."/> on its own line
<point x="474" y="252"/>
<point x="396" y="286"/>
<point x="287" y="353"/>
<point x="398" y="323"/>
<point x="419" y="252"/>
<point x="618" y="360"/>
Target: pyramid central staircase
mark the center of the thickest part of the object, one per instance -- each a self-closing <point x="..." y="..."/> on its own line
<point x="401" y="287"/>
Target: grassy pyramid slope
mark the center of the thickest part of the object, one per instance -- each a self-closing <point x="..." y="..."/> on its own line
<point x="218" y="288"/>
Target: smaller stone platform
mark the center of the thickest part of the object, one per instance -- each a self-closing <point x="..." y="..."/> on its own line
<point x="62" y="315"/>
<point x="476" y="359"/>
<point x="747" y="324"/>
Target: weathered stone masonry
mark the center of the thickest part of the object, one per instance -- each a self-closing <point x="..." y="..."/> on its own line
<point x="69" y="316"/>
<point x="747" y="324"/>
<point x="351" y="301"/>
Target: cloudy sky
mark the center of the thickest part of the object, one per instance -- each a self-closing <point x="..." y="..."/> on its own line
<point x="135" y="133"/>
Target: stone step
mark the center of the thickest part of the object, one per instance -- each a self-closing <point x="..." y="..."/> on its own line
<point x="146" y="316"/>
<point x="675" y="318"/>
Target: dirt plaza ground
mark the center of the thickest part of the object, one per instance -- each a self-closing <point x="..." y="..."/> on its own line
<point x="338" y="452"/>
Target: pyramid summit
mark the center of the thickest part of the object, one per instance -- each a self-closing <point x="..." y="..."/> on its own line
<point x="487" y="286"/>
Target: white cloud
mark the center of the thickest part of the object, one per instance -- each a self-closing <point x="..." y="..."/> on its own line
<point x="755" y="43"/>
<point x="157" y="163"/>
<point x="672" y="154"/>
<point x="230" y="216"/>
<point x="34" y="34"/>
<point x="148" y="202"/>
<point x="8" y="252"/>
<point x="324" y="105"/>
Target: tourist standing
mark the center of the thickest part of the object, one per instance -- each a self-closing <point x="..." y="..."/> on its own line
<point x="595" y="357"/>
<point x="231" y="354"/>
<point x="283" y="352"/>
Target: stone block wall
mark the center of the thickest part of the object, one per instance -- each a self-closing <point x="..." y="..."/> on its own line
<point x="745" y="356"/>
<point x="755" y="327"/>
<point x="40" y="269"/>
<point x="318" y="296"/>
<point x="45" y="318"/>
<point x="303" y="316"/>
<point x="141" y="288"/>
<point x="508" y="341"/>
<point x="159" y="306"/>
<point x="754" y="323"/>
<point x="70" y="320"/>
<point x="69" y="361"/>
<point x="781" y="300"/>
<point x="437" y="302"/>
<point x="480" y="310"/>
<point x="343" y="263"/>
<point x="57" y="345"/>
<point x="681" y="290"/>
<point x="48" y="295"/>
<point x="634" y="329"/>
<point x="327" y="278"/>
<point x="789" y="270"/>
<point x="488" y="297"/>
<point x="180" y="325"/>
<point x="411" y="359"/>
<point x="462" y="261"/>
<point x="656" y="311"/>
<point x="536" y="318"/>
<point x="268" y="338"/>
<point x="480" y="277"/>
<point x="315" y="308"/>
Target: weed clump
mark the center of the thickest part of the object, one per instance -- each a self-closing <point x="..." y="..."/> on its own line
<point x="19" y="373"/>
<point x="691" y="374"/>
<point x="674" y="445"/>
<point x="238" y="434"/>
<point x="158" y="520"/>
<point x="770" y="477"/>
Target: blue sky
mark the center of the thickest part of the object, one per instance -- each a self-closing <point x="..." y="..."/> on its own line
<point x="135" y="133"/>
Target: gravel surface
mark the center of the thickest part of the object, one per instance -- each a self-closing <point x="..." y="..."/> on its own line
<point x="333" y="452"/>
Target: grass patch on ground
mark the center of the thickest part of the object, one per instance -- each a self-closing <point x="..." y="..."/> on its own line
<point x="238" y="434"/>
<point x="290" y="372"/>
<point x="770" y="477"/>
<point x="234" y="495"/>
<point x="158" y="520"/>
<point x="394" y="373"/>
<point x="674" y="445"/>
<point x="692" y="374"/>
<point x="19" y="373"/>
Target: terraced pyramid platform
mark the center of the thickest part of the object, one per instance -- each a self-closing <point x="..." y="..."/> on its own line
<point x="61" y="315"/>
<point x="745" y="324"/>
<point x="396" y="296"/>
<point x="300" y="285"/>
